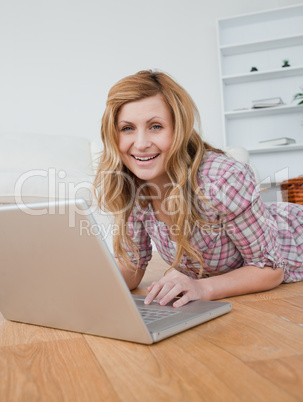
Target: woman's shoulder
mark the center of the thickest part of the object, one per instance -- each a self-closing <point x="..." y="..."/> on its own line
<point x="214" y="166"/>
<point x="227" y="184"/>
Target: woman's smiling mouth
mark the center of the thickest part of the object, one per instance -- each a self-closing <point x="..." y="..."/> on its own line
<point x="145" y="158"/>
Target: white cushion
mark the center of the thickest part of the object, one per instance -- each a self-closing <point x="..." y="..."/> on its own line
<point x="41" y="167"/>
<point x="238" y="153"/>
<point x="241" y="154"/>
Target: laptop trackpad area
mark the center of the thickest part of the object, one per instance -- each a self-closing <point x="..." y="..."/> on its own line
<point x="158" y="317"/>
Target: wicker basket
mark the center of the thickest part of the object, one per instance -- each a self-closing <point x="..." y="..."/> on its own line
<point x="292" y="190"/>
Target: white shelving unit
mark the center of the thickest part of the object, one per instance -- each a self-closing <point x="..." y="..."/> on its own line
<point x="263" y="40"/>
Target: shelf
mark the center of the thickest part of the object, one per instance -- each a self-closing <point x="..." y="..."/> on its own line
<point x="268" y="111"/>
<point x="229" y="50"/>
<point x="261" y="16"/>
<point x="277" y="148"/>
<point x="263" y="75"/>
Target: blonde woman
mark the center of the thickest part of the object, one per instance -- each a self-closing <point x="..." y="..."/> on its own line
<point x="202" y="209"/>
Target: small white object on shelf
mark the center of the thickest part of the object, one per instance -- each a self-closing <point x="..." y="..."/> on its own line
<point x="270" y="102"/>
<point x="277" y="141"/>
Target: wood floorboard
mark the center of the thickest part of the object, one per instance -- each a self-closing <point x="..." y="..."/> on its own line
<point x="62" y="370"/>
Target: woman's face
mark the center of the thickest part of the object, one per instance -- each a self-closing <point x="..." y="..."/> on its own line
<point x="145" y="138"/>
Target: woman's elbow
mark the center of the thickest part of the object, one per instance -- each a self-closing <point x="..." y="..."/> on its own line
<point x="277" y="277"/>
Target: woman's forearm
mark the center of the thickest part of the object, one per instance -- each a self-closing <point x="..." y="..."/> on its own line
<point x="248" y="279"/>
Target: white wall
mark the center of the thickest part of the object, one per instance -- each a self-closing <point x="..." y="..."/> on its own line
<point x="60" y="57"/>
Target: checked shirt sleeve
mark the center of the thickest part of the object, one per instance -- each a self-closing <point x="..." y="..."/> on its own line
<point x="245" y="218"/>
<point x="142" y="241"/>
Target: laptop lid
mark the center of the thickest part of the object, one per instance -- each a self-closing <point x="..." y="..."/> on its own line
<point x="56" y="274"/>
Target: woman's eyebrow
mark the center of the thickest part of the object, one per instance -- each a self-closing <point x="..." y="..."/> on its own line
<point x="148" y="121"/>
<point x="124" y="121"/>
<point x="155" y="118"/>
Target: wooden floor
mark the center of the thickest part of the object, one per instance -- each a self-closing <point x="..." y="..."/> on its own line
<point x="254" y="353"/>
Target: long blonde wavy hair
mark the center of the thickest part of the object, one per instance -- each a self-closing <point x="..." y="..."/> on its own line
<point x="114" y="187"/>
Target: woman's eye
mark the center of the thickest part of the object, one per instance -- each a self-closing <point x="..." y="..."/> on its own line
<point x="127" y="128"/>
<point x="156" y="127"/>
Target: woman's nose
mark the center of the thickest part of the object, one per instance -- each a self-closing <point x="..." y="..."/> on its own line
<point x="142" y="141"/>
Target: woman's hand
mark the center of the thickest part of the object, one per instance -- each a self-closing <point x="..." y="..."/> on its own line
<point x="171" y="285"/>
<point x="247" y="279"/>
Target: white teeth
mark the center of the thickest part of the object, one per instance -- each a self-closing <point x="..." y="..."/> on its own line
<point x="144" y="159"/>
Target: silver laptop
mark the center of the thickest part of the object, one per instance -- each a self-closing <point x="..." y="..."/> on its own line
<point x="57" y="272"/>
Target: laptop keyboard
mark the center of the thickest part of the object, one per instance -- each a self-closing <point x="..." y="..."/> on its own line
<point x="150" y="315"/>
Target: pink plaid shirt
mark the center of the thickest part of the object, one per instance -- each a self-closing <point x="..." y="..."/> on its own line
<point x="249" y="232"/>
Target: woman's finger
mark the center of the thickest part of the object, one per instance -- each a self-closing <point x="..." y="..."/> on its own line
<point x="151" y="286"/>
<point x="183" y="300"/>
<point x="156" y="287"/>
<point x="170" y="294"/>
